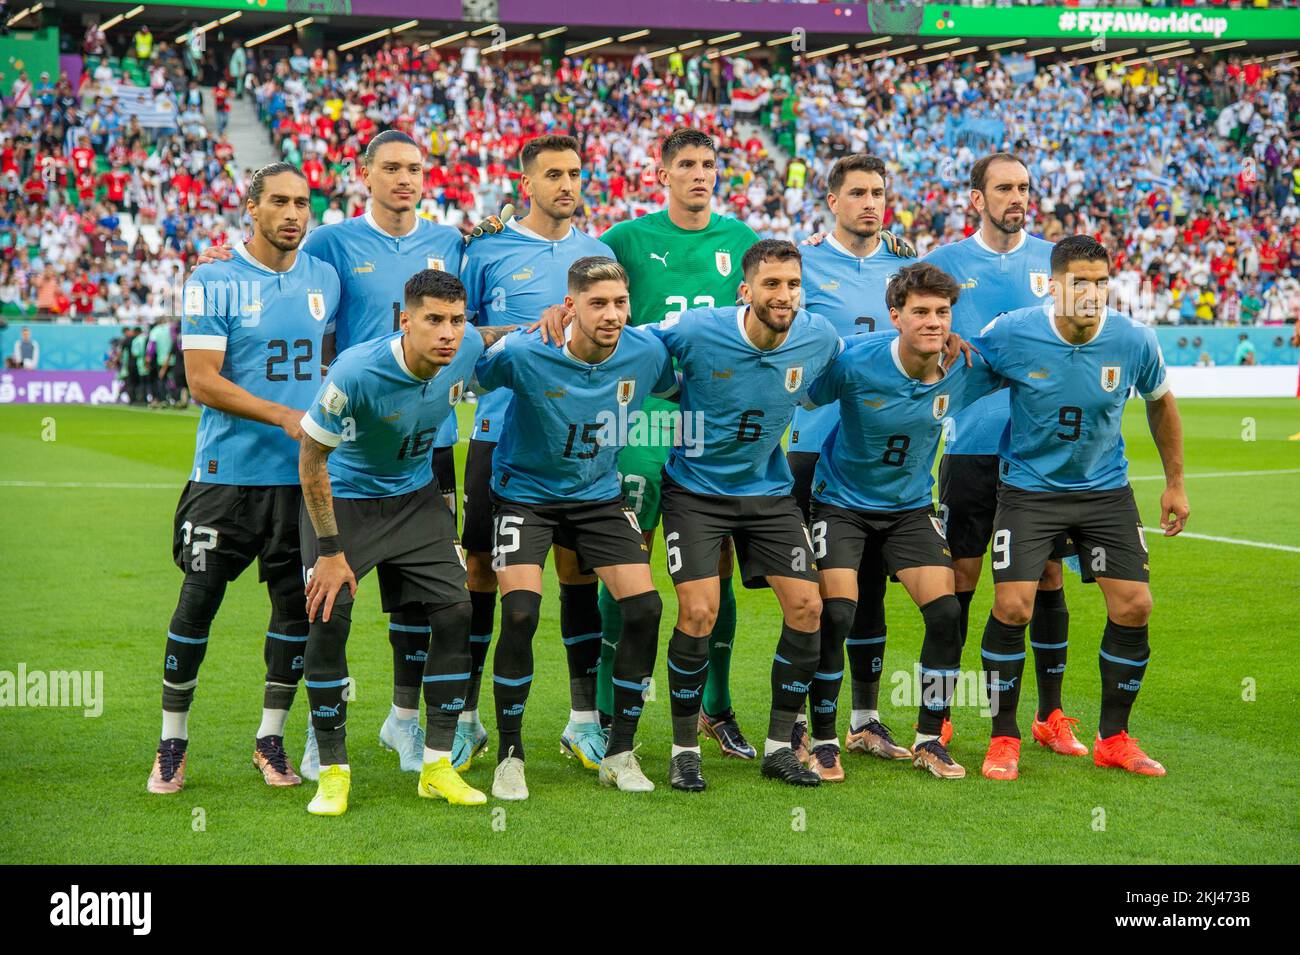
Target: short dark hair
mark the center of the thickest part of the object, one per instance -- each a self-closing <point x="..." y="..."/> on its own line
<point x="433" y="283"/>
<point x="383" y="139"/>
<point x="258" y="183"/>
<point x="860" y="162"/>
<point x="544" y="144"/>
<point x="1077" y="248"/>
<point x="590" y="269"/>
<point x="920" y="278"/>
<point x="684" y="139"/>
<point x="778" y="250"/>
<point x="979" y="173"/>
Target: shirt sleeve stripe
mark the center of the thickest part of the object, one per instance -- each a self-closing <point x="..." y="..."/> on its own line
<point x="317" y="433"/>
<point x="203" y="342"/>
<point x="1162" y="389"/>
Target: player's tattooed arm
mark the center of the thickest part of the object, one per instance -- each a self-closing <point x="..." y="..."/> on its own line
<point x="314" y="475"/>
<point x="1167" y="430"/>
<point x="209" y="387"/>
<point x="331" y="572"/>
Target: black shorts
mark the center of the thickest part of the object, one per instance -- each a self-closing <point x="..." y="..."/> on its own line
<point x="902" y="539"/>
<point x="603" y="533"/>
<point x="968" y="495"/>
<point x="444" y="475"/>
<point x="768" y="531"/>
<point x="477" y="528"/>
<point x="803" y="464"/>
<point x="1104" y="525"/>
<point x="220" y="528"/>
<point x="411" y="539"/>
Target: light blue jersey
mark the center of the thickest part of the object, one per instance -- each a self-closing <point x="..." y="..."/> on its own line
<point x="737" y="399"/>
<point x="566" y="420"/>
<point x="511" y="278"/>
<point x="373" y="267"/>
<point x="880" y="453"/>
<point x="991" y="283"/>
<point x="848" y="291"/>
<point x="381" y="418"/>
<point x="270" y="325"/>
<point x="1067" y="401"/>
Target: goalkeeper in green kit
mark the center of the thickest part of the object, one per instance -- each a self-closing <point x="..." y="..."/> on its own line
<point x="682" y="258"/>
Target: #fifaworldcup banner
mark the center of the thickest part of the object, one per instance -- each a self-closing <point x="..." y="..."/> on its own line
<point x="1120" y="24"/>
<point x="59" y="387"/>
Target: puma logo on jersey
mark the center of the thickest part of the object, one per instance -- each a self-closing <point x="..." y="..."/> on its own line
<point x="557" y="393"/>
<point x="661" y="258"/>
<point x="874" y="402"/>
<point x="364" y="267"/>
<point x="523" y="276"/>
<point x="391" y="417"/>
<point x="723" y="373"/>
<point x="970" y="283"/>
<point x="830" y="286"/>
<point x="1040" y="374"/>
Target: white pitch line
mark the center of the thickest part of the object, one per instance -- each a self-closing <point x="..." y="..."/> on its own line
<point x="1160" y="534"/>
<point x="93" y="484"/>
<point x="1218" y="474"/>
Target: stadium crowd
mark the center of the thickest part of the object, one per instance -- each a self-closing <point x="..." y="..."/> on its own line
<point x="1188" y="169"/>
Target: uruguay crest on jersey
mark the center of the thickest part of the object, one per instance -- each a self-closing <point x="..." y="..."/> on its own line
<point x="1110" y="375"/>
<point x="456" y="390"/>
<point x="723" y="261"/>
<point x="437" y="264"/>
<point x="940" y="406"/>
<point x="626" y="388"/>
<point x="1038" y="283"/>
<point x="793" y="378"/>
<point x="316" y="305"/>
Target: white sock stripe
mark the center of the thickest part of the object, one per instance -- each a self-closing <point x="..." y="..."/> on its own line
<point x="182" y="686"/>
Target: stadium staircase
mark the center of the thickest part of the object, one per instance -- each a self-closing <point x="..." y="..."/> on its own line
<point x="253" y="147"/>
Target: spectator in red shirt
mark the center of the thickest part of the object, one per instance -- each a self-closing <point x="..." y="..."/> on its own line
<point x="83" y="296"/>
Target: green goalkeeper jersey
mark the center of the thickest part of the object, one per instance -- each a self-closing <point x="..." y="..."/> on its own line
<point x="673" y="269"/>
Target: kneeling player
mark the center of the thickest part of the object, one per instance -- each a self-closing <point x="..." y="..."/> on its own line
<point x="369" y="490"/>
<point x="555" y="481"/>
<point x="872" y="492"/>
<point x="1071" y="363"/>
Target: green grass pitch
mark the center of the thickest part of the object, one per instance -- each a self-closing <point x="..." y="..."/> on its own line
<point x="88" y="584"/>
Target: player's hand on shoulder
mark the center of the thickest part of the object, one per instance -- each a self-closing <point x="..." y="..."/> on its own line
<point x="1174" y="510"/>
<point x="817" y="238"/>
<point x="897" y="245"/>
<point x="552" y="324"/>
<point x="956" y="345"/>
<point x="326" y="582"/>
<point x="214" y="253"/>
<point x="492" y="224"/>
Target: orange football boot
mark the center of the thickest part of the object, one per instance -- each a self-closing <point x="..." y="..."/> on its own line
<point x="1003" y="758"/>
<point x="1123" y="751"/>
<point x="1057" y="734"/>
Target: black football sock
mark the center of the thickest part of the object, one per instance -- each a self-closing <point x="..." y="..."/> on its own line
<point x="964" y="597"/>
<point x="483" y="606"/>
<point x="866" y="642"/>
<point x="1125" y="652"/>
<point x="1002" y="654"/>
<point x="408" y="635"/>
<point x="446" y="672"/>
<point x="633" y="665"/>
<point x="286" y="644"/>
<point x="187" y="641"/>
<point x="512" y="668"/>
<point x="793" y="666"/>
<point x="580" y="631"/>
<point x="688" y="667"/>
<point x="837" y="618"/>
<point x="326" y="677"/>
<point x="1049" y="637"/>
<point x="940" y="662"/>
